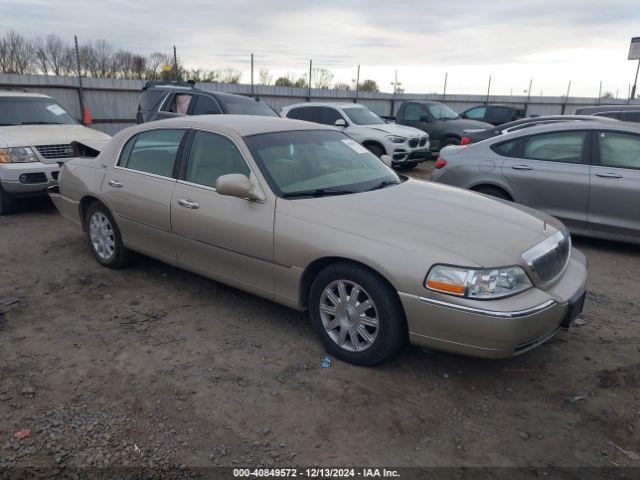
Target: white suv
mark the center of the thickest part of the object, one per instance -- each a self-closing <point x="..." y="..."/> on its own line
<point x="36" y="136"/>
<point x="407" y="146"/>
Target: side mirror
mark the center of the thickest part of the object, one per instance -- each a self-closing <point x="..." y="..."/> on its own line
<point x="386" y="159"/>
<point x="340" y="123"/>
<point x="425" y="119"/>
<point x="238" y="185"/>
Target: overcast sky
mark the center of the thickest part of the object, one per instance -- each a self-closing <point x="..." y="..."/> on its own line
<point x="551" y="41"/>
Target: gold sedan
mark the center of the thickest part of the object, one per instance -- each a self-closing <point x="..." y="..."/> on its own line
<point x="303" y="215"/>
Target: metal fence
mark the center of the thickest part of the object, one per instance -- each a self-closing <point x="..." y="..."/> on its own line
<point x="113" y="102"/>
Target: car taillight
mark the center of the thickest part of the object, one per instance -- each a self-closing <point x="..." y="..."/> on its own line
<point x="440" y="162"/>
<point x="464" y="141"/>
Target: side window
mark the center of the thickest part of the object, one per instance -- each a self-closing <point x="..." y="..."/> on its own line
<point x="309" y="114"/>
<point x="206" y="105"/>
<point x="476" y="113"/>
<point x="556" y="147"/>
<point x="211" y="156"/>
<point x="499" y="114"/>
<point x="413" y="112"/>
<point x="506" y="149"/>
<point x="631" y="116"/>
<point x="619" y="150"/>
<point x="178" y="103"/>
<point x="328" y="116"/>
<point x="152" y="152"/>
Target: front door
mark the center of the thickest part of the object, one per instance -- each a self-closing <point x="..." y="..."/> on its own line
<point x="551" y="173"/>
<point x="615" y="184"/>
<point x="227" y="238"/>
<point x="138" y="191"/>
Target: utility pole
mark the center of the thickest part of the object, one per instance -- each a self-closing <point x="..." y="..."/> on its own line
<point x="633" y="89"/>
<point x="395" y="89"/>
<point x="600" y="92"/>
<point x="526" y="105"/>
<point x="83" y="112"/>
<point x="175" y="64"/>
<point x="444" y="90"/>
<point x="355" y="100"/>
<point x="566" y="98"/>
<point x="309" y="86"/>
<point x="252" y="75"/>
<point x="488" y="90"/>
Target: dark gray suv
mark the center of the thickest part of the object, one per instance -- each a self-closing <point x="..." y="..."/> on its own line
<point x="174" y="99"/>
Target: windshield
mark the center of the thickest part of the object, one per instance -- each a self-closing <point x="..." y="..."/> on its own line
<point x="362" y="116"/>
<point x="440" y="111"/>
<point x="32" y="111"/>
<point x="317" y="163"/>
<point x="247" y="106"/>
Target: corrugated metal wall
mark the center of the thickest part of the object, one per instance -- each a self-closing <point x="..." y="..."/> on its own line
<point x="113" y="102"/>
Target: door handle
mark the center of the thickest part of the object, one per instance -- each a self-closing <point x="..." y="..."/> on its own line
<point x="608" y="175"/>
<point x="522" y="167"/>
<point x="186" y="203"/>
<point x="115" y="183"/>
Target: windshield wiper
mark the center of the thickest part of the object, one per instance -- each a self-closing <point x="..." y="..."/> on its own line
<point x="384" y="184"/>
<point x="41" y="123"/>
<point x="318" y="192"/>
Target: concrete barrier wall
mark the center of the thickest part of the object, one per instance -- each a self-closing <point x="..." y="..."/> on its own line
<point x="113" y="102"/>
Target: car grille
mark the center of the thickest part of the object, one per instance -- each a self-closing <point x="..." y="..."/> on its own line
<point x="548" y="259"/>
<point x="55" y="151"/>
<point x="413" y="142"/>
<point x="423" y="141"/>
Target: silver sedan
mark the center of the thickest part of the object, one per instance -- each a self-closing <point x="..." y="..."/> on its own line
<point x="587" y="174"/>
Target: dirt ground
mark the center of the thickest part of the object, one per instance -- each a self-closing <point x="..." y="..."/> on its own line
<point x="154" y="366"/>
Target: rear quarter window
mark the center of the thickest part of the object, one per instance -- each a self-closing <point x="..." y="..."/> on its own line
<point x="506" y="149"/>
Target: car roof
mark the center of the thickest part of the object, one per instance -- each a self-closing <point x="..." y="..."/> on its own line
<point x="326" y="104"/>
<point x="241" y="125"/>
<point x="608" y="108"/>
<point x="14" y="93"/>
<point x="569" y="125"/>
<point x="171" y="87"/>
<point x="555" y="118"/>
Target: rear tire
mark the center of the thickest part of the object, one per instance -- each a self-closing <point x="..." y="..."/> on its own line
<point x="357" y="314"/>
<point x="8" y="203"/>
<point x="494" y="192"/>
<point x="103" y="236"/>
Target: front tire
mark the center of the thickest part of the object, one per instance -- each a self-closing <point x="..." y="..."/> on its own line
<point x="356" y="314"/>
<point x="103" y="236"/>
<point x="7" y="203"/>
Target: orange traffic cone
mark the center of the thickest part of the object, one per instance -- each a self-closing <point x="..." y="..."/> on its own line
<point x="86" y="116"/>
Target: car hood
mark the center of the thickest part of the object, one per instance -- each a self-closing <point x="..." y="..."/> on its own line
<point x="394" y="129"/>
<point x="423" y="217"/>
<point x="30" y="135"/>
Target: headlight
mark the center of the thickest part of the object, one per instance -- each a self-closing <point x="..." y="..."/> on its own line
<point x="486" y="283"/>
<point x="396" y="139"/>
<point x="17" y="155"/>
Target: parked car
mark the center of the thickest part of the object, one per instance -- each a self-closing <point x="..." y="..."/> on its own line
<point x="174" y="99"/>
<point x="587" y="174"/>
<point x="36" y="136"/>
<point x="444" y="126"/>
<point x="405" y="145"/>
<point x="477" y="135"/>
<point x="303" y="215"/>
<point x="627" y="113"/>
<point x="494" y="114"/>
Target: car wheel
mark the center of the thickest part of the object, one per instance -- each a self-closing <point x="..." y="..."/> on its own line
<point x="7" y="203"/>
<point x="104" y="237"/>
<point x="356" y="314"/>
<point x="376" y="149"/>
<point x="494" y="192"/>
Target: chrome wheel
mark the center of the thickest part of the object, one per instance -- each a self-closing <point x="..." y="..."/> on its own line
<point x="349" y="315"/>
<point x="102" y="235"/>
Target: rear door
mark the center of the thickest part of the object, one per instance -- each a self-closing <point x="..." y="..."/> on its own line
<point x="550" y="172"/>
<point x="138" y="190"/>
<point x="414" y="114"/>
<point x="615" y="184"/>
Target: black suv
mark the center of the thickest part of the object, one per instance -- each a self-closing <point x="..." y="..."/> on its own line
<point x="174" y="99"/>
<point x="494" y="114"/>
<point x="626" y="113"/>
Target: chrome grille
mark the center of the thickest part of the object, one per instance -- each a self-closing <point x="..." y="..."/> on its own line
<point x="423" y="141"/>
<point x="549" y="258"/>
<point x="55" y="151"/>
<point x="413" y="142"/>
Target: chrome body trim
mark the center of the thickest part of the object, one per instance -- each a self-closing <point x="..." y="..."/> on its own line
<point x="490" y="313"/>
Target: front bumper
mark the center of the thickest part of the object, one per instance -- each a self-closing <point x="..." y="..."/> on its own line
<point x="402" y="153"/>
<point x="28" y="178"/>
<point x="497" y="328"/>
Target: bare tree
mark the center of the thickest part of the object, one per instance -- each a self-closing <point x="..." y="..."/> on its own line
<point x="40" y="50"/>
<point x="17" y="54"/>
<point x="285" y="81"/>
<point x="342" y="86"/>
<point x="54" y="48"/>
<point x="321" y="77"/>
<point x="230" y="75"/>
<point x="265" y="77"/>
<point x="103" y="58"/>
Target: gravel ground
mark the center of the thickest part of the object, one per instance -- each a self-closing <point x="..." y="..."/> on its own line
<point x="155" y="367"/>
